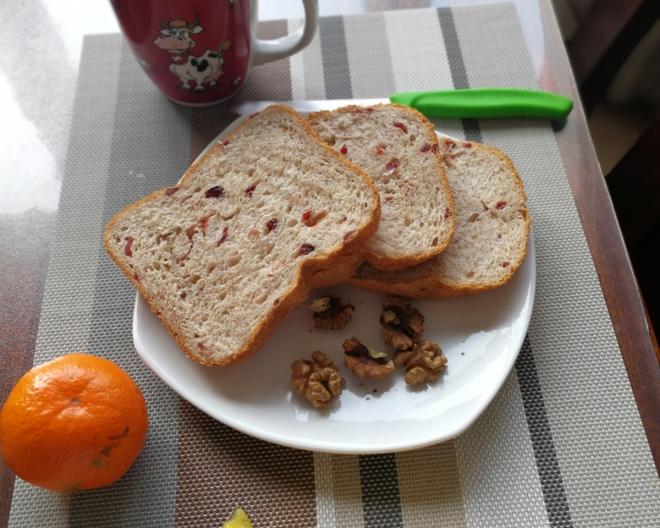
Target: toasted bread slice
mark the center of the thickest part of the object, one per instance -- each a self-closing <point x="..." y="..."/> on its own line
<point x="397" y="146"/>
<point x="492" y="227"/>
<point x="263" y="217"/>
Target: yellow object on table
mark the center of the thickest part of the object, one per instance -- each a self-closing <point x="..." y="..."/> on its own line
<point x="238" y="519"/>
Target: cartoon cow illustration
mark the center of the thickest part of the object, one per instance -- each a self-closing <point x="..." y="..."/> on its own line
<point x="205" y="69"/>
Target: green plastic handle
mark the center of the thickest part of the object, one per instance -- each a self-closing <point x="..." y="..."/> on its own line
<point x="487" y="103"/>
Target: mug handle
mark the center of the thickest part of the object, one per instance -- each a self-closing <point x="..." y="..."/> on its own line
<point x="270" y="50"/>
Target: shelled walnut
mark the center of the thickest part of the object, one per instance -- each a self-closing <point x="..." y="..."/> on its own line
<point x="365" y="362"/>
<point x="330" y="313"/>
<point x="424" y="363"/>
<point x="402" y="324"/>
<point x="317" y="380"/>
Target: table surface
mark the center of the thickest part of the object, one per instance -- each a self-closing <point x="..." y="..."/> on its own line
<point x="44" y="56"/>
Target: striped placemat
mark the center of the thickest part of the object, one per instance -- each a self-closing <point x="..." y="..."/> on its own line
<point x="561" y="445"/>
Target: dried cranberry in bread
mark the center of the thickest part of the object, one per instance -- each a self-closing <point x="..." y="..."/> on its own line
<point x="492" y="227"/>
<point x="398" y="148"/>
<point x="263" y="217"/>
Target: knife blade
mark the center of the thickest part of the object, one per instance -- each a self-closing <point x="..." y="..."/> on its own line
<point x="304" y="106"/>
<point x="477" y="103"/>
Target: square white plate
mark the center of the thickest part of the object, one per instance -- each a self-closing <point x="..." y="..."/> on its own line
<point x="481" y="336"/>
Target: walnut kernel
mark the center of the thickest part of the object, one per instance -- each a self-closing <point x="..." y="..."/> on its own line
<point x="402" y="324"/>
<point x="365" y="362"/>
<point x="423" y="364"/>
<point x="317" y="380"/>
<point x="330" y="314"/>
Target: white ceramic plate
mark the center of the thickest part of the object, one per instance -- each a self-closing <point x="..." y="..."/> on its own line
<point x="481" y="336"/>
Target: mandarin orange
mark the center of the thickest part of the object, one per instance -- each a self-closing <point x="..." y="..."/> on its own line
<point x="77" y="422"/>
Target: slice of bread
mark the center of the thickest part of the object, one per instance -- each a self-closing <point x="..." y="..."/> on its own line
<point x="492" y="227"/>
<point x="398" y="148"/>
<point x="263" y="217"/>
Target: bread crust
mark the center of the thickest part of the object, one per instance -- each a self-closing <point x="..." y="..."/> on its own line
<point x="329" y="269"/>
<point x="385" y="262"/>
<point x="436" y="287"/>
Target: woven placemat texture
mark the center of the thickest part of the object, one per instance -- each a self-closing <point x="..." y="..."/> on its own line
<point x="562" y="444"/>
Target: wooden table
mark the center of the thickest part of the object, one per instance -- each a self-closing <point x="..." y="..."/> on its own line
<point x="36" y="150"/>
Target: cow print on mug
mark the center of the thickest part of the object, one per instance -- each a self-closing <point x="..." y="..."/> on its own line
<point x="198" y="73"/>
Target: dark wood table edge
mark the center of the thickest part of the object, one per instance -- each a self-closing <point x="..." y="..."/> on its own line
<point x="608" y="249"/>
<point x="22" y="287"/>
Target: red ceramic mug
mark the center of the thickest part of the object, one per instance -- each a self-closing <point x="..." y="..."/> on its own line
<point x="199" y="52"/>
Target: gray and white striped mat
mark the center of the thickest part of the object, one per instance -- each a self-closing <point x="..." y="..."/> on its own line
<point x="562" y="444"/>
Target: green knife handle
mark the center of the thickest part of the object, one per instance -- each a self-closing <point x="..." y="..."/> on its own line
<point x="487" y="103"/>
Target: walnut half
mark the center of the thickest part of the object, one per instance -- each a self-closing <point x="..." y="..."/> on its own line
<point x="423" y="364"/>
<point x="318" y="380"/>
<point x="402" y="324"/>
<point x="330" y="313"/>
<point x="365" y="362"/>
